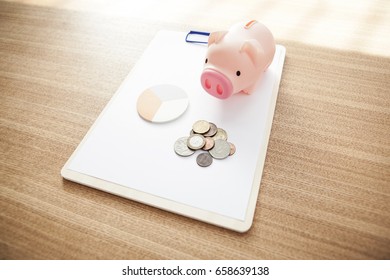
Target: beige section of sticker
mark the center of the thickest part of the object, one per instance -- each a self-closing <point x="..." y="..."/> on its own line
<point x="148" y="104"/>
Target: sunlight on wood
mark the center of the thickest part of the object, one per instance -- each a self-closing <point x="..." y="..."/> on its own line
<point x="353" y="25"/>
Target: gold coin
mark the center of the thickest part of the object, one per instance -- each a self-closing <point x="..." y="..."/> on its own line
<point x="209" y="143"/>
<point x="232" y="149"/>
<point x="201" y="126"/>
<point x="221" y="134"/>
<point x="212" y="131"/>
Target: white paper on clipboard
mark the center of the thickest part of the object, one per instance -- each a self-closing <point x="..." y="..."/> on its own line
<point x="128" y="156"/>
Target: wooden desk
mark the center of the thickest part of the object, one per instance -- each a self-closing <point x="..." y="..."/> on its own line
<point x="325" y="192"/>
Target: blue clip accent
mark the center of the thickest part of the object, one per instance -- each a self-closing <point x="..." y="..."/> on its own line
<point x="201" y="33"/>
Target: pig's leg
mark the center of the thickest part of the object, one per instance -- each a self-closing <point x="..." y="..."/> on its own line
<point x="249" y="90"/>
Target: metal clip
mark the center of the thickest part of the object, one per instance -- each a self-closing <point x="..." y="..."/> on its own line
<point x="195" y="35"/>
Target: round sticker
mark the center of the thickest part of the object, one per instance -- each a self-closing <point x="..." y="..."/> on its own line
<point x="162" y="103"/>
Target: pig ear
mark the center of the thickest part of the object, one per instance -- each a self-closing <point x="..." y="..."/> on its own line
<point x="254" y="50"/>
<point x="215" y="37"/>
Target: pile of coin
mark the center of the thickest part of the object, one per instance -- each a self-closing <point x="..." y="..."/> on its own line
<point x="206" y="137"/>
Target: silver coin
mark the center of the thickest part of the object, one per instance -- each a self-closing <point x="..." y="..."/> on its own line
<point x="201" y="126"/>
<point x="221" y="149"/>
<point x="212" y="131"/>
<point x="204" y="159"/>
<point x="221" y="134"/>
<point x="196" y="142"/>
<point x="181" y="147"/>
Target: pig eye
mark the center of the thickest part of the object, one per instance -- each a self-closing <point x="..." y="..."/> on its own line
<point x="238" y="73"/>
<point x="206" y="60"/>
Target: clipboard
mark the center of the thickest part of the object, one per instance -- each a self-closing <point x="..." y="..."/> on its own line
<point x="127" y="156"/>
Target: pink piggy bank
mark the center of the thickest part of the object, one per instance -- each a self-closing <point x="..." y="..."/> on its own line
<point x="236" y="59"/>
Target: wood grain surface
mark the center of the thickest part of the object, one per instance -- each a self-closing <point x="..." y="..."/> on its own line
<point x="325" y="191"/>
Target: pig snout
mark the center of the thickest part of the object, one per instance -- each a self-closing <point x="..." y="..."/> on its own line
<point x="216" y="84"/>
